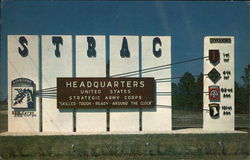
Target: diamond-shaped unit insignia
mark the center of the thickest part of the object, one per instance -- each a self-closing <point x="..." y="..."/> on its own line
<point x="214" y="75"/>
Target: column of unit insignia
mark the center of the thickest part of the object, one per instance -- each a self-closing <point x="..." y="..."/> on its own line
<point x="219" y="83"/>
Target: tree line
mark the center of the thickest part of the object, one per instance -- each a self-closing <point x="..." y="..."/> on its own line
<point x="187" y="94"/>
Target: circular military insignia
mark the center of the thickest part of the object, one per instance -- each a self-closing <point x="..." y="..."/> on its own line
<point x="214" y="93"/>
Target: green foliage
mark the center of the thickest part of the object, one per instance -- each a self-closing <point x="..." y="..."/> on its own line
<point x="242" y="93"/>
<point x="241" y="98"/>
<point x="187" y="87"/>
<point x="4" y="101"/>
<point x="245" y="77"/>
<point x="188" y="93"/>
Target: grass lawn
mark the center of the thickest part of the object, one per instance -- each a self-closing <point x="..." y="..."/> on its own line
<point x="135" y="147"/>
<point x="3" y="122"/>
<point x="177" y="157"/>
<point x="161" y="146"/>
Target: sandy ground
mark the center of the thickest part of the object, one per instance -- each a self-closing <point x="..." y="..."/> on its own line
<point x="4" y="112"/>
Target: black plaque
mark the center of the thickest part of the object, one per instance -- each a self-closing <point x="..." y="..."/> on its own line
<point x="105" y="93"/>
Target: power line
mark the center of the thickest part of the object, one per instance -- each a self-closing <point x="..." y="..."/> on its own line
<point x="169" y="79"/>
<point x="157" y="67"/>
<point x="48" y="89"/>
<point x="146" y="70"/>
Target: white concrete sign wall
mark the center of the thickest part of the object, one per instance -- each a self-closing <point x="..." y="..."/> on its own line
<point x="90" y="63"/>
<point x="122" y="61"/>
<point x="58" y="58"/>
<point x="219" y="108"/>
<point x="56" y="62"/>
<point x="23" y="111"/>
<point x="156" y="51"/>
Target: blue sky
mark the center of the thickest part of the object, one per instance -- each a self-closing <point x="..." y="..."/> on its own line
<point x="186" y="22"/>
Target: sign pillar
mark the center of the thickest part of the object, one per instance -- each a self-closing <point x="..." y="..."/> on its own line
<point x="124" y="57"/>
<point x="90" y="62"/>
<point x="156" y="51"/>
<point x="218" y="97"/>
<point x="56" y="62"/>
<point x="23" y="105"/>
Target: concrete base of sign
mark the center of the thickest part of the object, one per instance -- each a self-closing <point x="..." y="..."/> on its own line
<point x="178" y="131"/>
<point x="159" y="118"/>
<point x="55" y="120"/>
<point x="20" y="119"/>
<point x="91" y="120"/>
<point x="124" y="120"/>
